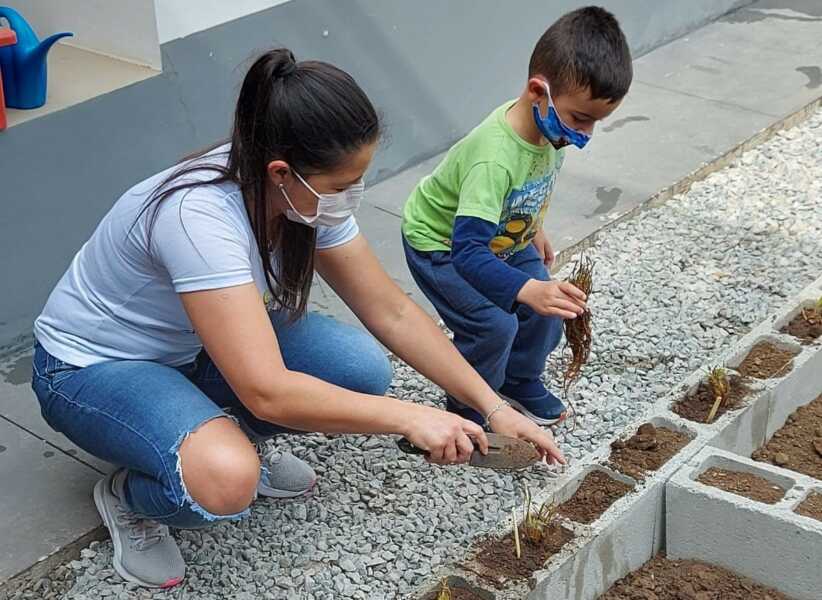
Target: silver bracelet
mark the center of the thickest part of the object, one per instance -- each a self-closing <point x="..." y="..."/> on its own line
<point x="502" y="404"/>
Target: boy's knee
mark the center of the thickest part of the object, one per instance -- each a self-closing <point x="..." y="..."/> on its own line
<point x="500" y="328"/>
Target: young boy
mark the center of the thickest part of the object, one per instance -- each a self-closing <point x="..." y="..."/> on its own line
<point x="472" y="230"/>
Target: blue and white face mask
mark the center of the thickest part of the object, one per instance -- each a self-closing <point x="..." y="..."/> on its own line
<point x="554" y="130"/>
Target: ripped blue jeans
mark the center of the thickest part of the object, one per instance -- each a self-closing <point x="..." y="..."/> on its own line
<point x="135" y="414"/>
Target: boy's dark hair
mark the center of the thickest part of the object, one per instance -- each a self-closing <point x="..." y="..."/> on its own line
<point x="585" y="48"/>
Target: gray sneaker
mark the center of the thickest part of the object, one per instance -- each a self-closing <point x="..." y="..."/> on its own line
<point x="283" y="475"/>
<point x="144" y="551"/>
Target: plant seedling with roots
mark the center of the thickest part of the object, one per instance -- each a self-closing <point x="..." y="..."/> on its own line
<point x="814" y="315"/>
<point x="535" y="525"/>
<point x="445" y="591"/>
<point x="578" y="333"/>
<point x="720" y="388"/>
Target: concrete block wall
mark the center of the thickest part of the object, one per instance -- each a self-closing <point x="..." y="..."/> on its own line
<point x="628" y="534"/>
<point x="642" y="523"/>
<point x="770" y="401"/>
<point x="767" y="543"/>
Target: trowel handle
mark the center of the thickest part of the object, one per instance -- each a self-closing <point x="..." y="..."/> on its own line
<point x="409" y="448"/>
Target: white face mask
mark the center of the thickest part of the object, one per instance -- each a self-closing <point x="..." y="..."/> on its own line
<point x="332" y="209"/>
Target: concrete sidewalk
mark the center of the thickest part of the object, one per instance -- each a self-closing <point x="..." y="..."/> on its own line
<point x="692" y="102"/>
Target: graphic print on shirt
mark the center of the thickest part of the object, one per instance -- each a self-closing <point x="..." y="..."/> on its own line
<point x="522" y="215"/>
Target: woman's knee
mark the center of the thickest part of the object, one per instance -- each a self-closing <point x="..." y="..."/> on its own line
<point x="335" y="352"/>
<point x="369" y="371"/>
<point x="359" y="363"/>
<point x="219" y="467"/>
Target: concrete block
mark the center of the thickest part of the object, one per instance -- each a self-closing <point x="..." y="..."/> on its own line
<point x="767" y="543"/>
<point x="619" y="542"/>
<point x="741" y="429"/>
<point x="798" y="388"/>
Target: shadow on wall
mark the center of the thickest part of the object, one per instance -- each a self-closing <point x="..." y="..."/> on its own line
<point x="784" y="10"/>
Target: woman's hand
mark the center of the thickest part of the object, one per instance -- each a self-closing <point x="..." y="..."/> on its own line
<point x="544" y="248"/>
<point x="508" y="421"/>
<point x="445" y="436"/>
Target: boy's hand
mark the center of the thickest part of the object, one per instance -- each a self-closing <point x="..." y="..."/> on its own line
<point x="553" y="298"/>
<point x="544" y="248"/>
<point x="511" y="423"/>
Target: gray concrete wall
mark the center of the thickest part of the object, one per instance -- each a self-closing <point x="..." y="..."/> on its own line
<point x="433" y="68"/>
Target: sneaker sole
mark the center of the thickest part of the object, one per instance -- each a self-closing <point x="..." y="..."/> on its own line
<point x="270" y="492"/>
<point x="108" y="521"/>
<point x="538" y="420"/>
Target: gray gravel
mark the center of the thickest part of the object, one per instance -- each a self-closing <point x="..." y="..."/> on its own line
<point x="674" y="286"/>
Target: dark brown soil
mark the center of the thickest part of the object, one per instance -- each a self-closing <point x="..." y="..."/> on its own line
<point x="698" y="404"/>
<point x="647" y="450"/>
<point x="798" y="444"/>
<point x="811" y="506"/>
<point x="807" y="325"/>
<point x="594" y="496"/>
<point x="743" y="484"/>
<point x="663" y="579"/>
<point x="457" y="593"/>
<point x="500" y="563"/>
<point x="766" y="360"/>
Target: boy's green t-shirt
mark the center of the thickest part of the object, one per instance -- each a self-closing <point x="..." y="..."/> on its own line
<point x="492" y="174"/>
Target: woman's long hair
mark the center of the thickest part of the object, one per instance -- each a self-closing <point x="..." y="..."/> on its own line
<point x="309" y="114"/>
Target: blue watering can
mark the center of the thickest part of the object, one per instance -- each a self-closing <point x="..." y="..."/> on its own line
<point x="24" y="64"/>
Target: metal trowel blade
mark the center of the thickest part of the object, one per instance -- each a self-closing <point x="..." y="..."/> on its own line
<point x="505" y="453"/>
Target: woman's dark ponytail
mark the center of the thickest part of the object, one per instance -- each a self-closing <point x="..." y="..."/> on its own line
<point x="309" y="114"/>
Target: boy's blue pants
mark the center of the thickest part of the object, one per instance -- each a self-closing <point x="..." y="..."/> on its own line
<point x="502" y="347"/>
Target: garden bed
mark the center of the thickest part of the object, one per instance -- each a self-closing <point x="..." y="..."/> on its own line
<point x="811" y="506"/>
<point x="621" y="509"/>
<point x="767" y="360"/>
<point x="798" y="444"/>
<point x="597" y="492"/>
<point x="664" y="579"/>
<point x="647" y="450"/>
<point x="456" y="588"/>
<point x="806" y="325"/>
<point x="743" y="484"/>
<point x="497" y="556"/>
<point x="697" y="405"/>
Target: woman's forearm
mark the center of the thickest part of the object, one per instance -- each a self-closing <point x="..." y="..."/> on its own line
<point x="306" y="403"/>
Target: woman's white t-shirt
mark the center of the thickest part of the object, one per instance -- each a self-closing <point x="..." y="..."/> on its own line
<point x="119" y="297"/>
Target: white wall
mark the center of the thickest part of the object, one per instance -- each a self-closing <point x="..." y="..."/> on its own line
<point x="125" y="29"/>
<point x="180" y="18"/>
